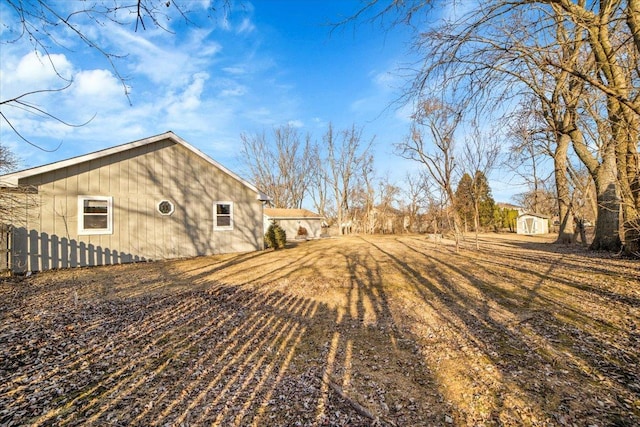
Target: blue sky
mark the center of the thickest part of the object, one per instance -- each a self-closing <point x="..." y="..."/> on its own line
<point x="263" y="64"/>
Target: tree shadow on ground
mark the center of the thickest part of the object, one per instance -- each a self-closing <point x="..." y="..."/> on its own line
<point x="214" y="354"/>
<point x="528" y="327"/>
<point x="299" y="336"/>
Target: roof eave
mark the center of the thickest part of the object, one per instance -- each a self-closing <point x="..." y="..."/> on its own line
<point x="14" y="178"/>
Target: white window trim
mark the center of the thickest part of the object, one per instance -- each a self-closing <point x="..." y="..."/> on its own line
<point x="215" y="216"/>
<point x="93" y="231"/>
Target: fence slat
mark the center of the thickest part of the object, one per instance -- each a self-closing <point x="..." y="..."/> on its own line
<point x="5" y="247"/>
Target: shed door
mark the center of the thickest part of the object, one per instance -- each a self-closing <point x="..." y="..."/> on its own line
<point x="530" y="225"/>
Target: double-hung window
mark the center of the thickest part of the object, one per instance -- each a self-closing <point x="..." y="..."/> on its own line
<point x="95" y="215"/>
<point x="223" y="216"/>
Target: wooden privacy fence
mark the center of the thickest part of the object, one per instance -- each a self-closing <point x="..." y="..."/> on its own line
<point x="5" y="247"/>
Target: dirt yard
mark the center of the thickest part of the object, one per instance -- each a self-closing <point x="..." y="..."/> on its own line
<point x="358" y="331"/>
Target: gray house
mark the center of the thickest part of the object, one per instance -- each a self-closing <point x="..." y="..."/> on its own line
<point x="154" y="198"/>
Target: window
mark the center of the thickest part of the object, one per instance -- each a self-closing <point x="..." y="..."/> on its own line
<point x="223" y="216"/>
<point x="165" y="207"/>
<point x="95" y="215"/>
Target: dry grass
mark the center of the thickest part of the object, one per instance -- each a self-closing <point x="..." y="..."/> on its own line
<point x="330" y="332"/>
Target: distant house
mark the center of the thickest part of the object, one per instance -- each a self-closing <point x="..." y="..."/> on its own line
<point x="154" y="198"/>
<point x="529" y="223"/>
<point x="291" y="220"/>
<point x="510" y="206"/>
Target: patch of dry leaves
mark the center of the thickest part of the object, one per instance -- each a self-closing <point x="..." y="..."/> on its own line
<point x="362" y="330"/>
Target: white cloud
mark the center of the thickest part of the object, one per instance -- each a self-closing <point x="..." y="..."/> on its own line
<point x="35" y="67"/>
<point x="404" y="113"/>
<point x="190" y="98"/>
<point x="230" y="88"/>
<point x="245" y="27"/>
<point x="97" y="84"/>
<point x="236" y="91"/>
<point x="33" y="71"/>
<point x="385" y="80"/>
<point x="296" y="123"/>
<point x="165" y="62"/>
<point x="261" y="115"/>
<point x="237" y="70"/>
<point x="361" y="104"/>
<point x="199" y="46"/>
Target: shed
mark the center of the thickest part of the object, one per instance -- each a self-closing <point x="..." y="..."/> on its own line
<point x="531" y="223"/>
<point x="155" y="198"/>
<point x="291" y="220"/>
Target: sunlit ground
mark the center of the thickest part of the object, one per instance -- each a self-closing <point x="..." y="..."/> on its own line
<point x="342" y="331"/>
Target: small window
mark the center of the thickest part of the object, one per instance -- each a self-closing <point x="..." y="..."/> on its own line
<point x="223" y="216"/>
<point x="95" y="215"/>
<point x="165" y="207"/>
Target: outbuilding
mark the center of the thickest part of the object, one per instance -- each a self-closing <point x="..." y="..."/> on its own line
<point x="531" y="223"/>
<point x="297" y="223"/>
<point x="155" y="198"/>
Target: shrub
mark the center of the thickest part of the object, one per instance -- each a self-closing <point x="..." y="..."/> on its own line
<point x="281" y="237"/>
<point x="270" y="237"/>
<point x="275" y="237"/>
<point x="302" y="231"/>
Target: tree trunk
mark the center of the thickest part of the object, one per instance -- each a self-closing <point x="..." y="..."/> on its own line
<point x="476" y="221"/>
<point x="565" y="213"/>
<point x="632" y="236"/>
<point x="607" y="235"/>
<point x="605" y="178"/>
<point x="629" y="177"/>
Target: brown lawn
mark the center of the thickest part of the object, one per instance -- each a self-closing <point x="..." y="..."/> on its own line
<point x="362" y="330"/>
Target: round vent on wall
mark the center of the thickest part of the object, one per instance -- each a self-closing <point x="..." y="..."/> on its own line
<point x="165" y="207"/>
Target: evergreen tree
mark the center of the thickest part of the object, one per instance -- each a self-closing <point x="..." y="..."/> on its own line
<point x="507" y="218"/>
<point x="464" y="200"/>
<point x="473" y="198"/>
<point x="481" y="192"/>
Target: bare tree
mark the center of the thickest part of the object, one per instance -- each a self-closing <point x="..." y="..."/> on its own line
<point x="365" y="191"/>
<point x="345" y="158"/>
<point x="8" y="162"/>
<point x="41" y="22"/>
<point x="388" y="217"/>
<point x="595" y="146"/>
<point x="280" y="165"/>
<point x="583" y="200"/>
<point x="432" y="143"/>
<point x="15" y="202"/>
<point x="416" y="199"/>
<point x="529" y="148"/>
<point x="319" y="188"/>
<point x="558" y="50"/>
<point x="479" y="155"/>
<point x="544" y="197"/>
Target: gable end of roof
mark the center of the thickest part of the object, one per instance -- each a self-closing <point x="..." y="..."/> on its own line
<point x="13" y="179"/>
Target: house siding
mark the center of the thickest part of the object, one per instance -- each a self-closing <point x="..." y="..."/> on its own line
<point x="137" y="179"/>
